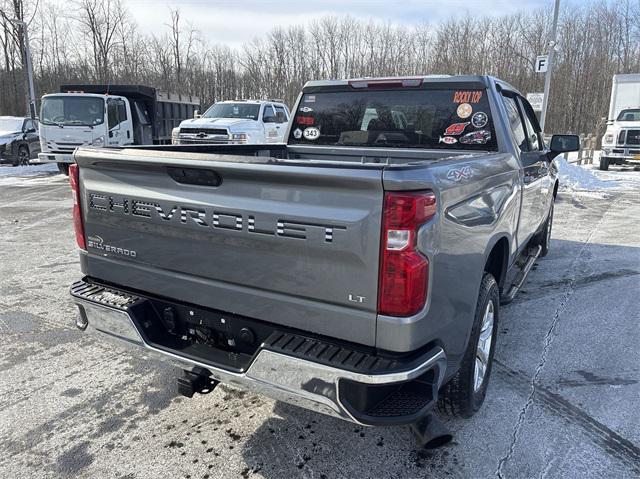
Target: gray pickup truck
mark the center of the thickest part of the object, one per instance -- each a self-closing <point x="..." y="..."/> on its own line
<point x="357" y="270"/>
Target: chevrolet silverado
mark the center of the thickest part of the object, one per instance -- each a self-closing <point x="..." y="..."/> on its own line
<point x="357" y="270"/>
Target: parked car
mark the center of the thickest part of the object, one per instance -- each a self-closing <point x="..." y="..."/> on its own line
<point x="19" y="140"/>
<point x="238" y="122"/>
<point x="357" y="270"/>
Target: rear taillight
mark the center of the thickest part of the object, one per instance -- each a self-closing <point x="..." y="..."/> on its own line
<point x="74" y="180"/>
<point x="404" y="271"/>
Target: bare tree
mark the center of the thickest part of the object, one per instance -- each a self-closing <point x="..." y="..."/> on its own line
<point x="101" y="43"/>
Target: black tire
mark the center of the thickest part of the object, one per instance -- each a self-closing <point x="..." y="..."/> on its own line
<point x="459" y="397"/>
<point x="544" y="237"/>
<point x="63" y="168"/>
<point x="23" y="156"/>
<point x="604" y="164"/>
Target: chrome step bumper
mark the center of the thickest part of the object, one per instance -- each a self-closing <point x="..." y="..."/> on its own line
<point x="104" y="312"/>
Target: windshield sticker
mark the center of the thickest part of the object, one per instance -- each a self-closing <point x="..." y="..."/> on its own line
<point x="310" y="99"/>
<point x="479" y="137"/>
<point x="304" y="120"/>
<point x="311" y="133"/>
<point x="456" y="129"/>
<point x="467" y="96"/>
<point x="459" y="174"/>
<point x="464" y="110"/>
<point x="297" y="133"/>
<point x="306" y="109"/>
<point x="479" y="119"/>
<point x="449" y="140"/>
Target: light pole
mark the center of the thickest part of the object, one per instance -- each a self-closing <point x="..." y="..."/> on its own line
<point x="547" y="77"/>
<point x="27" y="54"/>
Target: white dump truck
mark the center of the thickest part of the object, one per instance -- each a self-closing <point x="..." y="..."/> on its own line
<point x="621" y="141"/>
<point x="108" y="115"/>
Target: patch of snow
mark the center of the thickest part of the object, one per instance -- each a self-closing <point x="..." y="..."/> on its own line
<point x="29" y="170"/>
<point x="579" y="178"/>
<point x="25" y="176"/>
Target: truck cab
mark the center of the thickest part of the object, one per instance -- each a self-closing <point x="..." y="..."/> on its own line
<point x="70" y="120"/>
<point x="621" y="141"/>
<point x="107" y="115"/>
<point x="237" y="122"/>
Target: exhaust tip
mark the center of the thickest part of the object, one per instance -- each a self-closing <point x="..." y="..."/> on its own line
<point x="438" y="441"/>
<point x="430" y="433"/>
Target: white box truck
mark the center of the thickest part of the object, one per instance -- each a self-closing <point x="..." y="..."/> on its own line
<point x="621" y="141"/>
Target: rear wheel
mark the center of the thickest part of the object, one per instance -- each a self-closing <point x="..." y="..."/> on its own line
<point x="464" y="394"/>
<point x="63" y="168"/>
<point x="604" y="164"/>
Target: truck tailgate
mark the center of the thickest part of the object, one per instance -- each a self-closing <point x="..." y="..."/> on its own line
<point x="293" y="244"/>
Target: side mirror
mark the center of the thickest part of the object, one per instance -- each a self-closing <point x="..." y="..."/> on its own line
<point x="196" y="114"/>
<point x="563" y="144"/>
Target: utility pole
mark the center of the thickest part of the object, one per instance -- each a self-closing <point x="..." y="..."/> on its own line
<point x="547" y="77"/>
<point x="29" y="65"/>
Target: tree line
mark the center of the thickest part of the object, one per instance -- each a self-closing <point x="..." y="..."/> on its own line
<point x="97" y="41"/>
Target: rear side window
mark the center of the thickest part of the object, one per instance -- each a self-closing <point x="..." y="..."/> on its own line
<point x="515" y="122"/>
<point x="268" y="116"/>
<point x="415" y="118"/>
<point x="530" y="123"/>
<point x="281" y="114"/>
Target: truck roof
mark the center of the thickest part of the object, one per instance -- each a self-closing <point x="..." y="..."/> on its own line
<point x="627" y="78"/>
<point x="481" y="81"/>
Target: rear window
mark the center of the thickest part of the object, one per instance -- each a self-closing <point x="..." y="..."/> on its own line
<point x="442" y="119"/>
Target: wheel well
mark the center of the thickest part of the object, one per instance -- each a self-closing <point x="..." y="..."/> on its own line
<point x="496" y="263"/>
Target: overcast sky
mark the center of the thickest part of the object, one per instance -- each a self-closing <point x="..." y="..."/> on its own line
<point x="235" y="22"/>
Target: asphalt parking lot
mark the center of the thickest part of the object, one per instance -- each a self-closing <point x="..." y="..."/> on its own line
<point x="72" y="407"/>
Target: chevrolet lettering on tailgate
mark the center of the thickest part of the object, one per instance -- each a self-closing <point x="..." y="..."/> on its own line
<point x="209" y="218"/>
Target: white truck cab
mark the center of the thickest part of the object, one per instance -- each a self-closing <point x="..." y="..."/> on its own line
<point x="621" y="141"/>
<point x="70" y="120"/>
<point x="107" y="115"/>
<point x="236" y="122"/>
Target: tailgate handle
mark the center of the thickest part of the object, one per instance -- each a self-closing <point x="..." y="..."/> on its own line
<point x="195" y="176"/>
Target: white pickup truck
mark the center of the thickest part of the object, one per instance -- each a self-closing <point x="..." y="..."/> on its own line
<point x="236" y="122"/>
